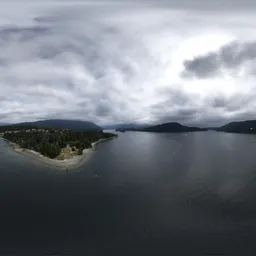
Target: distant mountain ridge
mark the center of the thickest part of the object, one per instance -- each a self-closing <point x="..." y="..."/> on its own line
<point x="248" y="126"/>
<point x="172" y="127"/>
<point x="62" y="123"/>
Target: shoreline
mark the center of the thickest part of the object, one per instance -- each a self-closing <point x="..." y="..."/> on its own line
<point x="65" y="164"/>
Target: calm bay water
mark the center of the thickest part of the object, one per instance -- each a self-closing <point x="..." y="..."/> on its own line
<point x="140" y="194"/>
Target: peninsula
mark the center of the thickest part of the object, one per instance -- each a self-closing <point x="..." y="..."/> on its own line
<point x="55" y="147"/>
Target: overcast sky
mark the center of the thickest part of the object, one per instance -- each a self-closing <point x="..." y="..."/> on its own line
<point x="190" y="61"/>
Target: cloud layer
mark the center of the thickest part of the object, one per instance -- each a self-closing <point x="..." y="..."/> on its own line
<point x="233" y="57"/>
<point x="112" y="63"/>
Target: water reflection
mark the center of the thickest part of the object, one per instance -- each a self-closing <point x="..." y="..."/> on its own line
<point x="140" y="194"/>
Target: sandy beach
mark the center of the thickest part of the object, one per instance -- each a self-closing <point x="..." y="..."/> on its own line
<point x="65" y="164"/>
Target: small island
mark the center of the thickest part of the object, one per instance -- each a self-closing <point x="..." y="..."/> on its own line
<point x="55" y="147"/>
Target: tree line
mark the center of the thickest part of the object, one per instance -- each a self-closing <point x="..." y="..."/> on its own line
<point x="49" y="142"/>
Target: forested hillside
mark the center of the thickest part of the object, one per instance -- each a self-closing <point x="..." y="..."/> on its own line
<point x="50" y="142"/>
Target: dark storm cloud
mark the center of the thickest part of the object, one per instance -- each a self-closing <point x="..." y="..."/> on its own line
<point x="229" y="57"/>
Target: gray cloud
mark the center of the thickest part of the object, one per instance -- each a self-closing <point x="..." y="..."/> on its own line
<point x="113" y="63"/>
<point x="235" y="102"/>
<point x="59" y="67"/>
<point x="229" y="58"/>
<point x="175" y="106"/>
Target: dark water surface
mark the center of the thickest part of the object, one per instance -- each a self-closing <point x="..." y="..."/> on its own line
<point x="140" y="194"/>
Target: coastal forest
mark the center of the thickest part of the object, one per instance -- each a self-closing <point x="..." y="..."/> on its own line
<point x="50" y="142"/>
